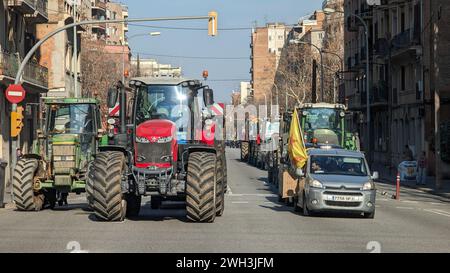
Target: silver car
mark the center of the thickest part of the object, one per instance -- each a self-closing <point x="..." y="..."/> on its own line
<point x="336" y="180"/>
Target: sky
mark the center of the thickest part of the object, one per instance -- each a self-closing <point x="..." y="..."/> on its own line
<point x="224" y="74"/>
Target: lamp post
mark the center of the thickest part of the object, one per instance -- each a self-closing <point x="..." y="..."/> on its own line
<point x="366" y="32"/>
<point x="321" y="63"/>
<point x="341" y="65"/>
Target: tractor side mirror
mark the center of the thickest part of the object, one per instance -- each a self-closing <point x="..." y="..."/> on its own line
<point x="112" y="97"/>
<point x="208" y="96"/>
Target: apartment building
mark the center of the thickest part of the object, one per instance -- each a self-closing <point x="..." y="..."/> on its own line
<point x="266" y="48"/>
<point x="18" y="34"/>
<point x="406" y="75"/>
<point x="151" y="68"/>
<point x="116" y="33"/>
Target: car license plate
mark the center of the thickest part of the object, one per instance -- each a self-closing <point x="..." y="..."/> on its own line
<point x="343" y="198"/>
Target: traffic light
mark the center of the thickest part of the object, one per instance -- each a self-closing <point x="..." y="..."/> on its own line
<point x="16" y="121"/>
<point x="212" y="24"/>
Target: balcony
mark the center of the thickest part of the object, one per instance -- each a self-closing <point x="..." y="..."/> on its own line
<point x="381" y="47"/>
<point x="34" y="10"/>
<point x="99" y="5"/>
<point x="33" y="73"/>
<point x="407" y="41"/>
<point x="379" y="96"/>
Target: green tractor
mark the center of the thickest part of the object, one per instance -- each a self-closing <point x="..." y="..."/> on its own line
<point x="66" y="143"/>
<point x="325" y="124"/>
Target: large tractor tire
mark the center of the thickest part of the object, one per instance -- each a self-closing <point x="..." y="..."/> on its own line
<point x="201" y="187"/>
<point x="221" y="186"/>
<point x="90" y="185"/>
<point x="244" y="151"/>
<point x="25" y="198"/>
<point x="108" y="203"/>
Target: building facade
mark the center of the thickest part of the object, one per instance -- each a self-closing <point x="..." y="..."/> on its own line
<point x="266" y="48"/>
<point x="151" y="68"/>
<point x="407" y="77"/>
<point x="18" y="33"/>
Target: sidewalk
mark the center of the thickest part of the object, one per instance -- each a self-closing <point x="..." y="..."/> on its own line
<point x="389" y="176"/>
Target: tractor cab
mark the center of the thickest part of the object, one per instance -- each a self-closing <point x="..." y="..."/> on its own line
<point x="325" y="124"/>
<point x="72" y="127"/>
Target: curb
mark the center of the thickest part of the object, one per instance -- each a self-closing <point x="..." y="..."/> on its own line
<point x="425" y="190"/>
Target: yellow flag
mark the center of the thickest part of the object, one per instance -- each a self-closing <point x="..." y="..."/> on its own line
<point x="296" y="148"/>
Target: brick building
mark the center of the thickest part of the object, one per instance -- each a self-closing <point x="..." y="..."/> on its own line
<point x="266" y="45"/>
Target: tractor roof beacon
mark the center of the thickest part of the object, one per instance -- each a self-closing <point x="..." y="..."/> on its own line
<point x="167" y="151"/>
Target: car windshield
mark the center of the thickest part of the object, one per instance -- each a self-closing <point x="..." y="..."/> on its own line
<point x="322" y="118"/>
<point x="161" y="102"/>
<point x="337" y="165"/>
<point x="71" y="119"/>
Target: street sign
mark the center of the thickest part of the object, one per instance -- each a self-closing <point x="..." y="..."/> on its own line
<point x="15" y="93"/>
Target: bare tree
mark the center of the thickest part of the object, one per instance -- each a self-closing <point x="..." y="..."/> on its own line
<point x="100" y="70"/>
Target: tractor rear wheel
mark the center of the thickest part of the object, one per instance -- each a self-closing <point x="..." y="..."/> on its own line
<point x="90" y="186"/>
<point x="25" y="198"/>
<point x="244" y="151"/>
<point x="201" y="187"/>
<point x="108" y="202"/>
<point x="220" y="193"/>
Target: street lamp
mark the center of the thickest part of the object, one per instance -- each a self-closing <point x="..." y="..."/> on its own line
<point x="321" y="63"/>
<point x="341" y="64"/>
<point x="366" y="32"/>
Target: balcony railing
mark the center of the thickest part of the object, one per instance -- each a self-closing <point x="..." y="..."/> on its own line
<point x="33" y="72"/>
<point x="29" y="7"/>
<point x="99" y="4"/>
<point x="406" y="39"/>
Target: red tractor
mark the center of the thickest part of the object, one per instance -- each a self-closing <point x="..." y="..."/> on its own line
<point x="168" y="151"/>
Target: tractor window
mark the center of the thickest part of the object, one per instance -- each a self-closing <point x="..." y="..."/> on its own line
<point x="71" y="119"/>
<point x="161" y="102"/>
<point x="322" y="118"/>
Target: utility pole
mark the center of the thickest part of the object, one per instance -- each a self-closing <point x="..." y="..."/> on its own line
<point x="314" y="82"/>
<point x="75" y="50"/>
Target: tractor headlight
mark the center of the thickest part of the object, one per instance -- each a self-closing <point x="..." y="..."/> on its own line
<point x="142" y="140"/>
<point x="164" y="139"/>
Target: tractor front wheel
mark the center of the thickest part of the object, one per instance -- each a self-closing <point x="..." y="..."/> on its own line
<point x="201" y="187"/>
<point x="108" y="203"/>
<point x="25" y="198"/>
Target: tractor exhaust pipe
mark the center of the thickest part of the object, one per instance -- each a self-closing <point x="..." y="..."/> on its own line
<point x="123" y="108"/>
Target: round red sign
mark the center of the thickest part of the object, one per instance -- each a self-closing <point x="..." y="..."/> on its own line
<point x="15" y="93"/>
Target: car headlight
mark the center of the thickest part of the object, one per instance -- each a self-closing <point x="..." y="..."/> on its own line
<point x="142" y="140"/>
<point x="316" y="184"/>
<point x="368" y="186"/>
<point x="164" y="139"/>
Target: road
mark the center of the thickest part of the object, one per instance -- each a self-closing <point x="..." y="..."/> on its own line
<point x="253" y="222"/>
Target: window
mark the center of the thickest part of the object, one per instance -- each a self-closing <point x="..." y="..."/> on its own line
<point x="403" y="78"/>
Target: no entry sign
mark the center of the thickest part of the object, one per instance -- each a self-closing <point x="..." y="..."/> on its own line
<point x="15" y="93"/>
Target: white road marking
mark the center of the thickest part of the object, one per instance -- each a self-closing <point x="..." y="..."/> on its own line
<point x="255" y="194"/>
<point x="439" y="212"/>
<point x="229" y="192"/>
<point x="240" y="202"/>
<point x="409" y="201"/>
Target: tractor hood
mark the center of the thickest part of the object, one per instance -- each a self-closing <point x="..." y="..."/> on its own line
<point x="65" y="139"/>
<point x="154" y="129"/>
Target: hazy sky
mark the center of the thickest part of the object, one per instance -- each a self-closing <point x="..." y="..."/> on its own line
<point x="197" y="43"/>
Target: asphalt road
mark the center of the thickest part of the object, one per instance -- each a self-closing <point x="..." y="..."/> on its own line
<point x="253" y="222"/>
